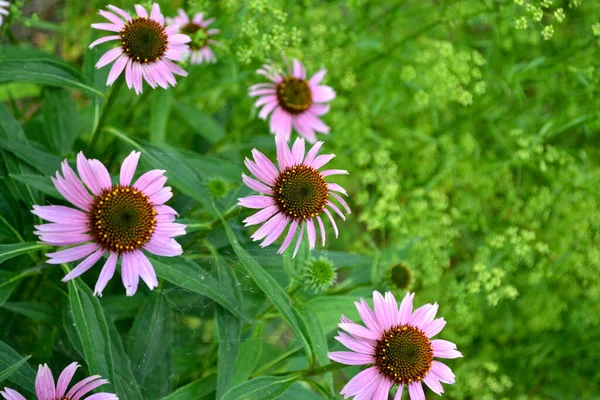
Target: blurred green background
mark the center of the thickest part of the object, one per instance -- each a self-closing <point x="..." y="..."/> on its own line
<point x="471" y="133"/>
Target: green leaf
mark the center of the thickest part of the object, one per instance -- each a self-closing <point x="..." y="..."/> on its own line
<point x="150" y="337"/>
<point x="24" y="376"/>
<point x="261" y="388"/>
<point x="125" y="383"/>
<point x="160" y="107"/>
<point x="299" y="392"/>
<point x="200" y="122"/>
<point x="268" y="285"/>
<point x="13" y="368"/>
<point x="229" y="329"/>
<point x="189" y="275"/>
<point x="31" y="153"/>
<point x="34" y="310"/>
<point x="7" y="285"/>
<point x="10" y="129"/>
<point x="195" y="390"/>
<point x="92" y="330"/>
<point x="317" y="338"/>
<point x="39" y="182"/>
<point x="331" y="308"/>
<point x="61" y="120"/>
<point x="21" y="65"/>
<point x="8" y="251"/>
<point x="248" y="358"/>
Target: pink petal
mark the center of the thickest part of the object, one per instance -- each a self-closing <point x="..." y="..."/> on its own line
<point x="73" y="227"/>
<point x="112" y="18"/>
<point x="81" y="384"/>
<point x="315" y="123"/>
<point x="116" y="70"/>
<point x="156" y="15"/>
<point x="87" y="174"/>
<point x="416" y="391"/>
<point x="147" y="178"/>
<point x="104" y="39"/>
<point x="434" y="384"/>
<point x="75" y="184"/>
<point x="281" y="123"/>
<point x="276" y="231"/>
<point x="266" y="110"/>
<point x="129" y="273"/>
<point x="269" y="226"/>
<point x="141" y="11"/>
<point x="84" y="265"/>
<point x="398" y="395"/>
<point x="312" y="236"/>
<point x="434" y="327"/>
<point x="342" y="202"/>
<point x="179" y="38"/>
<point x="101" y="174"/>
<point x="284" y="155"/>
<point x="106" y="274"/>
<point x="145" y="269"/>
<point x="129" y="74"/>
<point x="104" y="26"/>
<point x="256" y="186"/>
<point x="318" y="77"/>
<point x="322" y="94"/>
<point x="363" y="382"/>
<point x="337" y="210"/>
<point x="88" y="388"/>
<point x="450" y="354"/>
<point x="442" y="372"/>
<point x="165" y="248"/>
<point x="298" y="151"/>
<point x="318" y="109"/>
<point x="299" y="241"/>
<point x="128" y="167"/>
<point x="256" y="201"/>
<point x="335" y="228"/>
<point x="368" y="316"/>
<point x="10" y="394"/>
<point x="321" y="160"/>
<point x="299" y="71"/>
<point x="406" y="308"/>
<point x="70" y="193"/>
<point x="351" y="358"/>
<point x="162" y="196"/>
<point x="322" y="229"/>
<point x="289" y="237"/>
<point x="334" y="172"/>
<point x="382" y="313"/>
<point x="266" y="166"/>
<point x="72" y="254"/>
<point x="359" y="331"/>
<point x="312" y="153"/>
<point x="121" y="12"/>
<point x="357" y="345"/>
<point x="59" y="214"/>
<point x="261" y="216"/>
<point x="44" y="383"/>
<point x="383" y="389"/>
<point x="418" y="316"/>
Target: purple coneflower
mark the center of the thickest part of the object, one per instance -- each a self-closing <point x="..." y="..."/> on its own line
<point x="45" y="389"/>
<point x="145" y="50"/>
<point x="118" y="220"/>
<point x="296" y="194"/>
<point x="4" y="5"/>
<point x="397" y="344"/>
<point x="197" y="29"/>
<point x="293" y="101"/>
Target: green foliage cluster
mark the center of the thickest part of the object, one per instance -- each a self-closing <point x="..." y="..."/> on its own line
<point x="470" y="130"/>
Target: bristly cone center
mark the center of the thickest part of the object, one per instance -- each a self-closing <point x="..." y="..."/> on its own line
<point x="404" y="354"/>
<point x="144" y="40"/>
<point x="300" y="192"/>
<point x="294" y="95"/>
<point x="122" y="219"/>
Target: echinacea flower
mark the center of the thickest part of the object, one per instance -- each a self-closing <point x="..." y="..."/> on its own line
<point x="197" y="29"/>
<point x="4" y="5"/>
<point x="397" y="344"/>
<point x="293" y="101"/>
<point x="146" y="48"/>
<point x="119" y="220"/>
<point x="296" y="194"/>
<point x="45" y="389"/>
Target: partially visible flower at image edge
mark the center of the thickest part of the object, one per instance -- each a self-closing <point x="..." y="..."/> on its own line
<point x="202" y="37"/>
<point x="397" y="343"/>
<point x="295" y="195"/>
<point x="46" y="389"/>
<point x="4" y="5"/>
<point x="146" y="48"/>
<point x="293" y="101"/>
<point x="119" y="220"/>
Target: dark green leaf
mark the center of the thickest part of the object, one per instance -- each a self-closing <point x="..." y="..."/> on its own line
<point x="160" y="108"/>
<point x="189" y="275"/>
<point x="7" y="285"/>
<point x="13" y="368"/>
<point x="318" y="340"/>
<point x="329" y="310"/>
<point x="125" y="383"/>
<point x="24" y="376"/>
<point x="268" y="285"/>
<point x="61" y="120"/>
<point x="195" y="390"/>
<point x="248" y="358"/>
<point x="229" y="347"/>
<point x="34" y="310"/>
<point x="200" y="122"/>
<point x="92" y="331"/>
<point x="10" y="129"/>
<point x="261" y="388"/>
<point x="31" y="153"/>
<point x="8" y="251"/>
<point x="299" y="392"/>
<point x="149" y="340"/>
<point x="39" y="182"/>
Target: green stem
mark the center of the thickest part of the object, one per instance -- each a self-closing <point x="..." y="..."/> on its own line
<point x="322" y="370"/>
<point x="107" y="107"/>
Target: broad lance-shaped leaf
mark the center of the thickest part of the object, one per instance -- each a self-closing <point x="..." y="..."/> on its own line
<point x="318" y="340"/>
<point x="200" y="122"/>
<point x="4" y="374"/>
<point x="8" y="251"/>
<point x="149" y="341"/>
<point x="268" y="285"/>
<point x="125" y="383"/>
<point x="24" y="376"/>
<point x="248" y="358"/>
<point x="61" y="120"/>
<point x="92" y="330"/>
<point x="195" y="390"/>
<point x="39" y="182"/>
<point x="186" y="274"/>
<point x="261" y="388"/>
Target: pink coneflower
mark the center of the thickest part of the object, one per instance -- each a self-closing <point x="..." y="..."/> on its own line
<point x="294" y="101"/>
<point x="145" y="50"/>
<point x="197" y="29"/>
<point x="397" y="344"/>
<point x="118" y="220"/>
<point x="4" y="5"/>
<point x="296" y="194"/>
<point x="45" y="389"/>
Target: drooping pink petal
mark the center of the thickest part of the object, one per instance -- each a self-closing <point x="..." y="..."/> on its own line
<point x="146" y="270"/>
<point x="357" y="345"/>
<point x="281" y="123"/>
<point x="289" y="237"/>
<point x="299" y="241"/>
<point x="129" y="273"/>
<point x="415" y="390"/>
<point x="322" y="230"/>
<point x="112" y="18"/>
<point x="256" y="201"/>
<point x="275" y="232"/>
<point x="256" y="186"/>
<point x="10" y="394"/>
<point x="312" y="236"/>
<point x="442" y="371"/>
<point x="359" y="331"/>
<point x="109" y="57"/>
<point x="106" y="274"/>
<point x="336" y="209"/>
<point x="59" y="213"/>
<point x="434" y="384"/>
<point x="165" y="248"/>
<point x="334" y="172"/>
<point x="72" y="254"/>
<point x="351" y="358"/>
<point x="341" y="201"/>
<point x="362" y="380"/>
<point x="335" y="228"/>
<point x="84" y="265"/>
<point x="383" y="389"/>
<point x="104" y="39"/>
<point x="261" y="216"/>
<point x="268" y="226"/>
<point x="398" y="395"/>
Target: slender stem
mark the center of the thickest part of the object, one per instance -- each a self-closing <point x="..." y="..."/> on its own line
<point x="107" y="107"/>
<point x="323" y="370"/>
